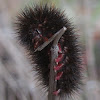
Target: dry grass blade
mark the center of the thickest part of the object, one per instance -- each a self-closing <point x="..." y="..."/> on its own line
<point x="15" y="78"/>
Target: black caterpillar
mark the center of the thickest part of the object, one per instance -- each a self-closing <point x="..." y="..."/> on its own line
<point x="37" y="24"/>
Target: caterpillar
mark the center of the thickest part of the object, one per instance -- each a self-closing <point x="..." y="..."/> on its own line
<point x="35" y="25"/>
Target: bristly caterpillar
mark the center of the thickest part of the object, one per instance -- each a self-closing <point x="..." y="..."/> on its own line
<point x="35" y="25"/>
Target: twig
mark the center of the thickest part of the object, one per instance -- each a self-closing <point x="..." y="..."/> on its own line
<point x="50" y="40"/>
<point x="54" y="55"/>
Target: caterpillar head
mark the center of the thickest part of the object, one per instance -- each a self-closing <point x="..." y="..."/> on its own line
<point x="35" y="25"/>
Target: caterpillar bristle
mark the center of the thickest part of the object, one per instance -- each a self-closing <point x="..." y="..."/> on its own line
<point x="35" y="25"/>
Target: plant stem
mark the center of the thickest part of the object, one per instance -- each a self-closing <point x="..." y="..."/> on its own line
<point x="54" y="55"/>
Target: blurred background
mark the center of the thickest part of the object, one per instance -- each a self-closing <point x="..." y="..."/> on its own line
<point x="85" y="14"/>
